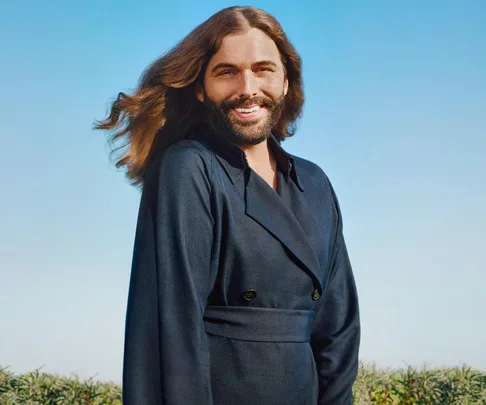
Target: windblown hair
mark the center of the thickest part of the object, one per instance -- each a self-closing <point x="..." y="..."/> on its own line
<point x="164" y="109"/>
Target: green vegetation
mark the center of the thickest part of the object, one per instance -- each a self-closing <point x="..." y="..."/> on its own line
<point x="36" y="388"/>
<point x="453" y="386"/>
<point x="439" y="386"/>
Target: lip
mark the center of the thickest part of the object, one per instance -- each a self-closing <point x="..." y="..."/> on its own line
<point x="248" y="116"/>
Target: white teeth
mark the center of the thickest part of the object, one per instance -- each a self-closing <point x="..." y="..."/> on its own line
<point x="248" y="110"/>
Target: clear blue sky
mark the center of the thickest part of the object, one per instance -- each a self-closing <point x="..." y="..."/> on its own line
<point x="395" y="114"/>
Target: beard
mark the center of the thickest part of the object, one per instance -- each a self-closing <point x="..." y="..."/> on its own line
<point x="247" y="132"/>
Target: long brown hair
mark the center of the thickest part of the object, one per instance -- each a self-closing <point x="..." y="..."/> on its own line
<point x="164" y="108"/>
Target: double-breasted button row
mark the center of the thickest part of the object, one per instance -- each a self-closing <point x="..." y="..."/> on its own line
<point x="249" y="295"/>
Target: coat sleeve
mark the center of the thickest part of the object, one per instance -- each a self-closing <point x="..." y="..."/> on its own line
<point x="166" y="356"/>
<point x="336" y="332"/>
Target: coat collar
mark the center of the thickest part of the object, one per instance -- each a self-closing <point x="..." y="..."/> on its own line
<point x="234" y="159"/>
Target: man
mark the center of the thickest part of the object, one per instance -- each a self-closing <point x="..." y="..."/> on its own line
<point x="241" y="289"/>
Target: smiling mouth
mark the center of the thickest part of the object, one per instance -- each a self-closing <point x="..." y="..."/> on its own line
<point x="246" y="113"/>
<point x="248" y="110"/>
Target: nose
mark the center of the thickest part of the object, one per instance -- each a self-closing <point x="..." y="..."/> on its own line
<point x="248" y="85"/>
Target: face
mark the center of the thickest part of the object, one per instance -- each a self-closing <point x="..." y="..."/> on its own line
<point x="244" y="87"/>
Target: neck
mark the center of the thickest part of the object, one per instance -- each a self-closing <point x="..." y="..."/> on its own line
<point x="260" y="158"/>
<point x="256" y="154"/>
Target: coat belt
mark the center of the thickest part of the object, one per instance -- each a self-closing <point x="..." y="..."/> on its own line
<point x="259" y="324"/>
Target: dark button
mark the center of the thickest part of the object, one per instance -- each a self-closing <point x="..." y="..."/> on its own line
<point x="315" y="295"/>
<point x="249" y="295"/>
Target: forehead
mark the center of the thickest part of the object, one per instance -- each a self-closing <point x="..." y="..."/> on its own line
<point x="246" y="48"/>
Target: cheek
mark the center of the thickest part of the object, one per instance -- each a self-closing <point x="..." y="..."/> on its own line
<point x="277" y="87"/>
<point x="274" y="89"/>
<point x="219" y="90"/>
<point x="273" y="84"/>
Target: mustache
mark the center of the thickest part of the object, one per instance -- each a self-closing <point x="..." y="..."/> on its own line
<point x="259" y="100"/>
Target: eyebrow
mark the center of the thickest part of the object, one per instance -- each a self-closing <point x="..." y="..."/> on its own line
<point x="232" y="66"/>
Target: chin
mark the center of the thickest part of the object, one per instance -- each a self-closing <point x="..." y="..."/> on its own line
<point x="250" y="135"/>
<point x="252" y="132"/>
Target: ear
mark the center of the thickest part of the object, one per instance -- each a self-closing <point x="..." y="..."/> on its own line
<point x="199" y="92"/>
<point x="286" y="86"/>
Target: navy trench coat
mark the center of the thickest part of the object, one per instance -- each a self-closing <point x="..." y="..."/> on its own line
<point x="239" y="295"/>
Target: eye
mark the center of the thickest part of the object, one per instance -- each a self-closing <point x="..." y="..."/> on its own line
<point x="265" y="69"/>
<point x="225" y="73"/>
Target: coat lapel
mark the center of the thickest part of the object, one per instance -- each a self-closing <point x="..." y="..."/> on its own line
<point x="266" y="207"/>
<point x="304" y="215"/>
<point x="297" y="232"/>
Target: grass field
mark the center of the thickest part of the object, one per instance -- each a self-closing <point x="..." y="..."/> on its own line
<point x="427" y="386"/>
